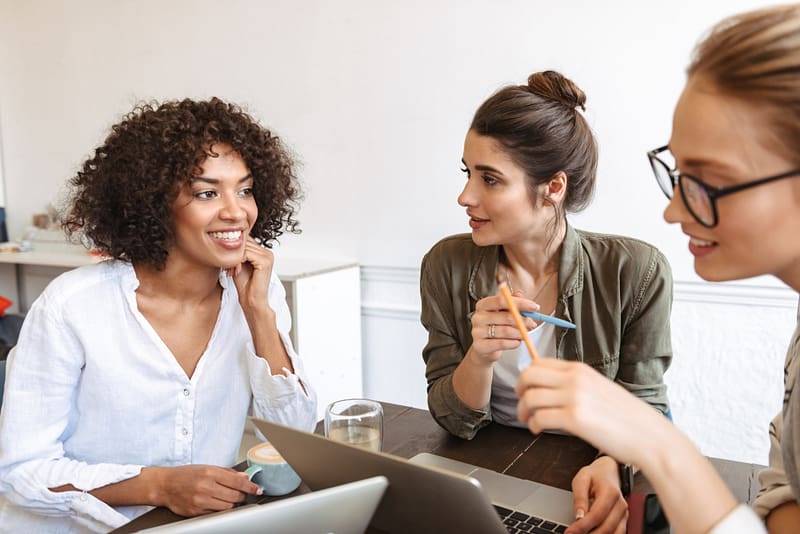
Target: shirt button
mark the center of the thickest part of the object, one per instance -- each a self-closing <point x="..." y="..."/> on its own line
<point x="186" y="392"/>
<point x="83" y="497"/>
<point x="185" y="432"/>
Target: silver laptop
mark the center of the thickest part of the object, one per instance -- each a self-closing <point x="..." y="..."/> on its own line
<point x="342" y="509"/>
<point x="422" y="496"/>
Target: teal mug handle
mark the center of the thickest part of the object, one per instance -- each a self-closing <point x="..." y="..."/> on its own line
<point x="252" y="471"/>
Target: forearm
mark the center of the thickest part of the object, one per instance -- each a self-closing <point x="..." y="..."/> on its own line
<point x="784" y="519"/>
<point x="472" y="382"/>
<point x="691" y="492"/>
<point x="138" y="490"/>
<point x="267" y="340"/>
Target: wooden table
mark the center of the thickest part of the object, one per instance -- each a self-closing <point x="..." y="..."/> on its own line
<point x="548" y="458"/>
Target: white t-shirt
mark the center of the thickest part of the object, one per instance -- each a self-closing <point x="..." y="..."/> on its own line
<point x="506" y="372"/>
<point x="93" y="395"/>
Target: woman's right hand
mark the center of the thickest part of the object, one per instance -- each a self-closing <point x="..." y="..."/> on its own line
<point x="494" y="330"/>
<point x="191" y="490"/>
<point x="573" y="397"/>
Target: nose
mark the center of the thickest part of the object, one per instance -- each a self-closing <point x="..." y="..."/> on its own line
<point x="232" y="208"/>
<point x="676" y="211"/>
<point x="467" y="197"/>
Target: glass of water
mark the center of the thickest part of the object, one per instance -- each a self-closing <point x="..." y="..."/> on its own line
<point x="358" y="422"/>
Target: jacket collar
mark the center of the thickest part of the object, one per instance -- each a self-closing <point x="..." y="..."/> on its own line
<point x="570" y="268"/>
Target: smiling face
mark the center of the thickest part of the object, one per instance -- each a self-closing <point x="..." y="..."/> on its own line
<point x="723" y="141"/>
<point x="497" y="196"/>
<point x="214" y="212"/>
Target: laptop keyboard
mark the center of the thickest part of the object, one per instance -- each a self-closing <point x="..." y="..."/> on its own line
<point x="518" y="522"/>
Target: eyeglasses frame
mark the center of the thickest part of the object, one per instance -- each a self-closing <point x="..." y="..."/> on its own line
<point x="713" y="193"/>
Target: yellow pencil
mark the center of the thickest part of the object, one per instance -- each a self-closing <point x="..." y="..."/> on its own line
<point x="512" y="307"/>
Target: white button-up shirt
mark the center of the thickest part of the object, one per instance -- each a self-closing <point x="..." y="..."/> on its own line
<point x="93" y="395"/>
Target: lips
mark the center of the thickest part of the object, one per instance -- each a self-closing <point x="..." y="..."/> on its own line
<point x="700" y="247"/>
<point x="477" y="222"/>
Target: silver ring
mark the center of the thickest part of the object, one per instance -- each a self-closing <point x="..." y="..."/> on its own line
<point x="491" y="331"/>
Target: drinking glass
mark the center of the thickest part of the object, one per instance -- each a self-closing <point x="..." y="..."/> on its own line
<point x="358" y="422"/>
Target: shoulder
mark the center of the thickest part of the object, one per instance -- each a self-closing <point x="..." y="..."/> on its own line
<point x="626" y="253"/>
<point x="455" y="264"/>
<point x="86" y="283"/>
<point x="456" y="247"/>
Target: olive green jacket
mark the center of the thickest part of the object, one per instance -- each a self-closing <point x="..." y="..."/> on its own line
<point x="617" y="290"/>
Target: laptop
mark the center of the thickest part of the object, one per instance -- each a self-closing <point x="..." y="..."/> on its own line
<point x="342" y="509"/>
<point x="430" y="494"/>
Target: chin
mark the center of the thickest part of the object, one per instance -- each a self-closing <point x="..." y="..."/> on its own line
<point x="482" y="242"/>
<point x="229" y="261"/>
<point x="229" y="264"/>
<point x="728" y="273"/>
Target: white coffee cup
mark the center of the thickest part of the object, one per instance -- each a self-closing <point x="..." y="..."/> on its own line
<point x="268" y="469"/>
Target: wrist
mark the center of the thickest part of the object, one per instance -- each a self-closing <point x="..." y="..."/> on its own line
<point x="258" y="315"/>
<point x="476" y="362"/>
<point x="620" y="474"/>
<point x="153" y="480"/>
<point x="605" y="462"/>
<point x="668" y="452"/>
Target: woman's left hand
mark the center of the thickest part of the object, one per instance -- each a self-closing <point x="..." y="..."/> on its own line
<point x="598" y="502"/>
<point x="252" y="276"/>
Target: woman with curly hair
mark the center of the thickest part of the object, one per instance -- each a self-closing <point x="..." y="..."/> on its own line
<point x="132" y="378"/>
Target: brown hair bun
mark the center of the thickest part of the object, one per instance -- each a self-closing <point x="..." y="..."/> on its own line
<point x="552" y="85"/>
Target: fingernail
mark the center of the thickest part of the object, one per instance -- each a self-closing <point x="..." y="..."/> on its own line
<point x="260" y="491"/>
<point x="579" y="514"/>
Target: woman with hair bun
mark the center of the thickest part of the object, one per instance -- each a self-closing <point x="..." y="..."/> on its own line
<point x="132" y="378"/>
<point x="529" y="159"/>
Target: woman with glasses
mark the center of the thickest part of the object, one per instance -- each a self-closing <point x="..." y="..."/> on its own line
<point x="731" y="172"/>
<point x="529" y="158"/>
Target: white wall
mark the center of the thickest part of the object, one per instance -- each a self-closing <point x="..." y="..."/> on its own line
<point x="374" y="97"/>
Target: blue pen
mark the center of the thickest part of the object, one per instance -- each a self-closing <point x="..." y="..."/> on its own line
<point x="548" y="319"/>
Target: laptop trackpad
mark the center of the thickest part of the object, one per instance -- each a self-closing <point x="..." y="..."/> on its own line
<point x="526" y="496"/>
<point x="504" y="489"/>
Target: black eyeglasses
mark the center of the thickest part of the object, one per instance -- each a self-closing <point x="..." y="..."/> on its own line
<point x="700" y="198"/>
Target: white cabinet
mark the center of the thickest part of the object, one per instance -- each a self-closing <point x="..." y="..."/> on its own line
<point x="325" y="299"/>
<point x="324" y="296"/>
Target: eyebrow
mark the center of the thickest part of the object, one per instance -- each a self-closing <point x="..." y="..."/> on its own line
<point x="709" y="164"/>
<point x="485" y="168"/>
<point x="216" y="180"/>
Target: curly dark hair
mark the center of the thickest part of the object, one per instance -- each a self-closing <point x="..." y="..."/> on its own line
<point x="122" y="197"/>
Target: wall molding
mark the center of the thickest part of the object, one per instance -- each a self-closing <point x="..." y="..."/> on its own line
<point x="393" y="293"/>
<point x="390" y="292"/>
<point x="390" y="312"/>
<point x="736" y="294"/>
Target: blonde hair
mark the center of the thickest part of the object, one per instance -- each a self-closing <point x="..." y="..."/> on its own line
<point x="755" y="57"/>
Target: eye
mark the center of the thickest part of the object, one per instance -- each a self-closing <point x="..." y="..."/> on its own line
<point x="488" y="179"/>
<point x="205" y="195"/>
<point x="246" y="192"/>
